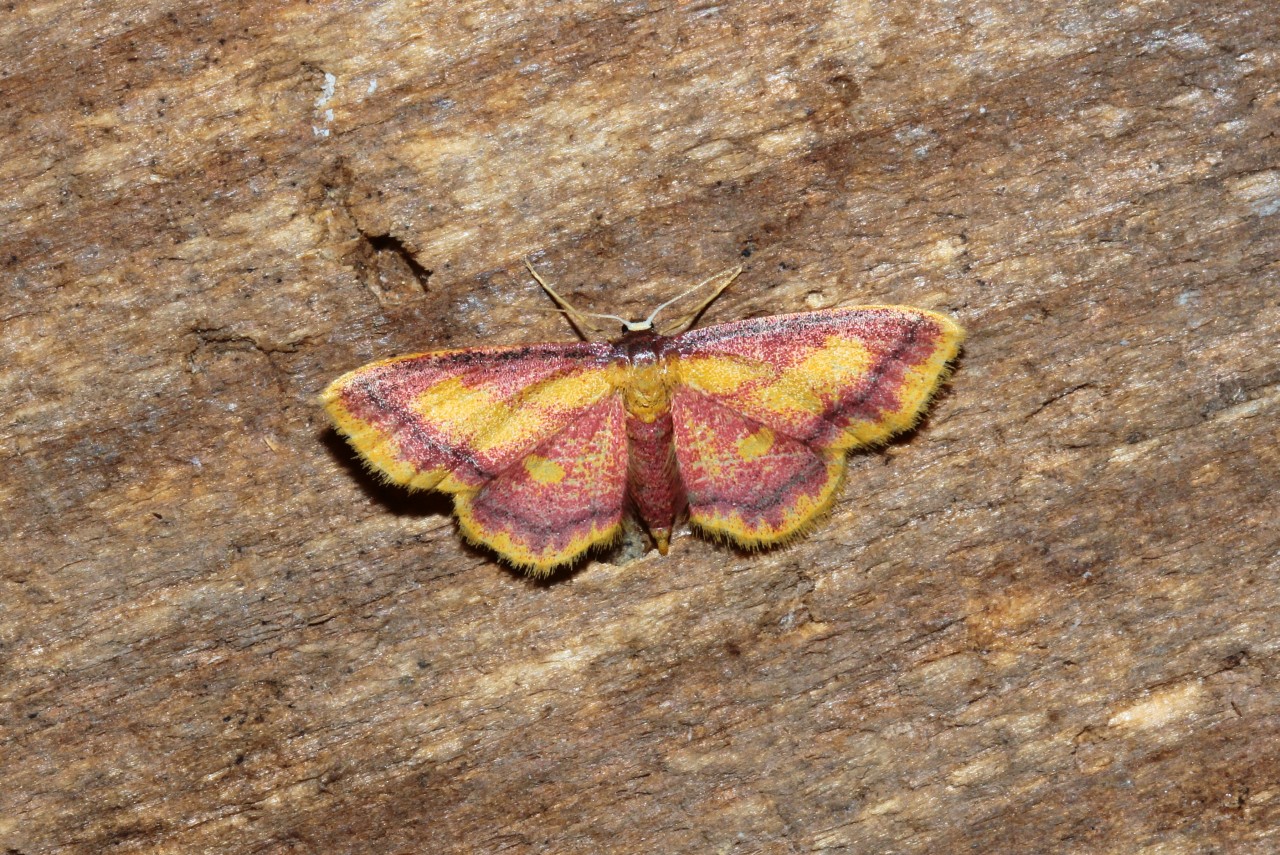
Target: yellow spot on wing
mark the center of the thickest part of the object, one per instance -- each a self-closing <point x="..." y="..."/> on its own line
<point x="542" y="470"/>
<point x="755" y="445"/>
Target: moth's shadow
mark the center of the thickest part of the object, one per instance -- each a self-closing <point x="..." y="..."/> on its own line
<point x="397" y="500"/>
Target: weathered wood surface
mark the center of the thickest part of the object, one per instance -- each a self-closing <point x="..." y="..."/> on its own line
<point x="1046" y="621"/>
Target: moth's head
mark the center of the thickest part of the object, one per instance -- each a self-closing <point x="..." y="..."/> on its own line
<point x="581" y="319"/>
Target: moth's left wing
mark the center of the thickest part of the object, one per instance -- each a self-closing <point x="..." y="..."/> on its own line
<point x="764" y="410"/>
<point x="529" y="440"/>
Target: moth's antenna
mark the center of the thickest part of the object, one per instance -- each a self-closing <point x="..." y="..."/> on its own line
<point x="577" y="318"/>
<point x="728" y="276"/>
<point x="580" y="319"/>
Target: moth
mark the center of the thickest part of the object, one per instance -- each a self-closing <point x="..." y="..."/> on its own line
<point x="743" y="428"/>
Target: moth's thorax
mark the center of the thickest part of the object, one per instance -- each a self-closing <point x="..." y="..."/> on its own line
<point x="647" y="393"/>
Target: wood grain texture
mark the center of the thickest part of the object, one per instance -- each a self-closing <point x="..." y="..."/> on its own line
<point x="1045" y="621"/>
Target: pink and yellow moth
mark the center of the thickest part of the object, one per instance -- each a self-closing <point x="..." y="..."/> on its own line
<point x="743" y="427"/>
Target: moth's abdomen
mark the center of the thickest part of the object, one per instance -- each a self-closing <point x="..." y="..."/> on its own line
<point x="652" y="477"/>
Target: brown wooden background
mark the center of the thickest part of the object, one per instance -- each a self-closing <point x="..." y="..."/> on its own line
<point x="1047" y="621"/>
